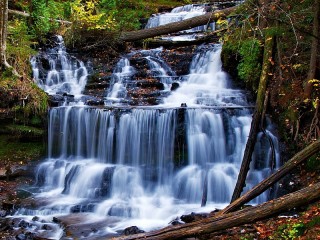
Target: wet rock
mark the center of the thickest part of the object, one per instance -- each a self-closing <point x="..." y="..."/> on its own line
<point x="106" y="182"/>
<point x="4" y="224"/>
<point x="56" y="220"/>
<point x="35" y="218"/>
<point x="21" y="236"/>
<point x="193" y="217"/>
<point x="46" y="227"/>
<point x="176" y="222"/>
<point x="132" y="230"/>
<point x="73" y="172"/>
<point x="8" y="207"/>
<point x="24" y="224"/>
<point x="174" y="86"/>
<point x="122" y="210"/>
<point x="3" y="213"/>
<point x="82" y="208"/>
<point x="44" y="61"/>
<point x="92" y="101"/>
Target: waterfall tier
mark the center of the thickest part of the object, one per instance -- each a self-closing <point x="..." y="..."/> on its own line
<point x="58" y="73"/>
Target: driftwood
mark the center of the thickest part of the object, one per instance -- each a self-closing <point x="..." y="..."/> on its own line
<point x="247" y="215"/>
<point x="290" y="165"/>
<point x="256" y="119"/>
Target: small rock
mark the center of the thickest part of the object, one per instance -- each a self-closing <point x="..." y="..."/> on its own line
<point x="24" y="224"/>
<point x="174" y="86"/>
<point x="56" y="220"/>
<point x="132" y="230"/>
<point x="3" y="213"/>
<point x="46" y="227"/>
<point x="35" y="218"/>
<point x="21" y="237"/>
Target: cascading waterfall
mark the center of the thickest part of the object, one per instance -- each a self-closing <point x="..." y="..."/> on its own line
<point x="125" y="74"/>
<point x="145" y="166"/>
<point x="59" y="73"/>
<point x="178" y="14"/>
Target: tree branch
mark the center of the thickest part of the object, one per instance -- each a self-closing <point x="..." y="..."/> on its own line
<point x="24" y="14"/>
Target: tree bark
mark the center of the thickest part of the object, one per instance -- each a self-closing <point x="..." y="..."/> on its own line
<point x="3" y="32"/>
<point x="314" y="51"/>
<point x="3" y="37"/>
<point x="175" y="27"/>
<point x="290" y="165"/>
<point x="256" y="119"/>
<point x="247" y="215"/>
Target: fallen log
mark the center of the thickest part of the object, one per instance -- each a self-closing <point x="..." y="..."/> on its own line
<point x="296" y="160"/>
<point x="256" y="119"/>
<point x="248" y="215"/>
<point x="175" y="27"/>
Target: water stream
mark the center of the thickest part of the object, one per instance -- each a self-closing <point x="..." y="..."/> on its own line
<point x="143" y="166"/>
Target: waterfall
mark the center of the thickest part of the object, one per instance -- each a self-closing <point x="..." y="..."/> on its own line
<point x="178" y="14"/>
<point x="147" y="165"/>
<point x="127" y="75"/>
<point x="58" y="73"/>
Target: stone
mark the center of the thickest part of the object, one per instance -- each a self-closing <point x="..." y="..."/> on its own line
<point x="132" y="230"/>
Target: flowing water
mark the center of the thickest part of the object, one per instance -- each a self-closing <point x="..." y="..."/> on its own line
<point x="144" y="166"/>
<point x="182" y="13"/>
<point x="58" y="72"/>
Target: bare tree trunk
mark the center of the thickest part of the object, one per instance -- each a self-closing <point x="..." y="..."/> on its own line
<point x="3" y="36"/>
<point x="299" y="158"/>
<point x="247" y="215"/>
<point x="3" y="32"/>
<point x="256" y="119"/>
<point x="314" y="50"/>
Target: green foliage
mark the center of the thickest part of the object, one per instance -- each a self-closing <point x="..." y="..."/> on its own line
<point x="249" y="67"/>
<point x="313" y="163"/>
<point x="125" y="13"/>
<point x="19" y="45"/>
<point x="44" y="13"/>
<point x="289" y="231"/>
<point x="87" y="15"/>
<point x="13" y="149"/>
<point x="22" y="129"/>
<point x="314" y="222"/>
<point x="246" y="55"/>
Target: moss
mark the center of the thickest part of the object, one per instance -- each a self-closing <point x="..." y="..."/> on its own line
<point x="243" y="61"/>
<point x="12" y="149"/>
<point x="24" y="130"/>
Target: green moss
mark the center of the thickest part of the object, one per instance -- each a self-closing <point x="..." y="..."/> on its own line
<point x="249" y="68"/>
<point x="313" y="163"/>
<point x="24" y="130"/>
<point x="11" y="149"/>
<point x="289" y="231"/>
<point x="246" y="55"/>
<point x="314" y="222"/>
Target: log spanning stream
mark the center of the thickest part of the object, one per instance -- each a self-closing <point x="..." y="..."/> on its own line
<point x="115" y="167"/>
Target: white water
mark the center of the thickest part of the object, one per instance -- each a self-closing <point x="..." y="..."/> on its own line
<point x="179" y="14"/>
<point x="124" y="74"/>
<point x="66" y="75"/>
<point x="146" y="167"/>
<point x="206" y="84"/>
